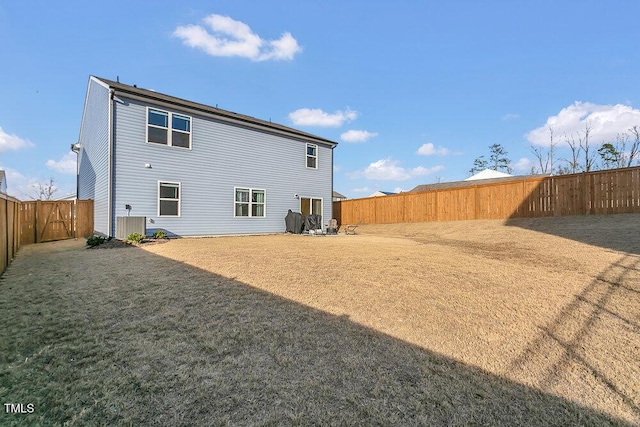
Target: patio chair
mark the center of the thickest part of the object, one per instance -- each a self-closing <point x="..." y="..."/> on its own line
<point x="351" y="228"/>
<point x="332" y="226"/>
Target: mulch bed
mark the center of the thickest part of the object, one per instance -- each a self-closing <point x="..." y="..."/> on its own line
<point x="115" y="243"/>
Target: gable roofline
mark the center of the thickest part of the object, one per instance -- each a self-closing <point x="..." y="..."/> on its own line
<point x="224" y="115"/>
<point x="472" y="183"/>
<point x="488" y="174"/>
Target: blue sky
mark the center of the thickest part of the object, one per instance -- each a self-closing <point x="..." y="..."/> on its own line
<point x="413" y="91"/>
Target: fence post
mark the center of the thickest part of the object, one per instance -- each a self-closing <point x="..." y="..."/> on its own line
<point x="17" y="226"/>
<point x="36" y="215"/>
<point x="6" y="227"/>
<point x="555" y="191"/>
<point x="74" y="218"/>
<point x="476" y="202"/>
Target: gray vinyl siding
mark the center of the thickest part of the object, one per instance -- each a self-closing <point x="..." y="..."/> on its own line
<point x="93" y="179"/>
<point x="222" y="157"/>
<point x="3" y="182"/>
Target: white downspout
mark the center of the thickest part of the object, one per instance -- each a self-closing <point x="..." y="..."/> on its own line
<point x="110" y="165"/>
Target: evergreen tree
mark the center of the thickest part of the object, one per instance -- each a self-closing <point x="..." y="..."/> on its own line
<point x="498" y="159"/>
<point x="479" y="165"/>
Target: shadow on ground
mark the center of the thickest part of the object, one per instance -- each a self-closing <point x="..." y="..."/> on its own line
<point x="621" y="234"/>
<point x="563" y="345"/>
<point x="99" y="341"/>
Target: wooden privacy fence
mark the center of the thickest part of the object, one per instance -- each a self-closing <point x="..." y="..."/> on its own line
<point x="45" y="221"/>
<point x="9" y="229"/>
<point x="22" y="223"/>
<point x="600" y="192"/>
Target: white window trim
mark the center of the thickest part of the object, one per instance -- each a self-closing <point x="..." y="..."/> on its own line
<point x="311" y="199"/>
<point x="250" y="202"/>
<point x="306" y="156"/>
<point x="169" y="129"/>
<point x="179" y="199"/>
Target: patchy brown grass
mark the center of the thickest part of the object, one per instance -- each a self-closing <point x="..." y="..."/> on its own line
<point x="532" y="322"/>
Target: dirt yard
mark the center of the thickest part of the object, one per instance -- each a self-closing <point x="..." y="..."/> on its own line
<point x="525" y="322"/>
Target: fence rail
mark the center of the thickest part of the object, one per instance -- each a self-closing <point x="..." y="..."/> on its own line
<point x="600" y="192"/>
<point x="22" y="223"/>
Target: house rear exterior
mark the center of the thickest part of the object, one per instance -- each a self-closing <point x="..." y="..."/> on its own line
<point x="3" y="182"/>
<point x="192" y="169"/>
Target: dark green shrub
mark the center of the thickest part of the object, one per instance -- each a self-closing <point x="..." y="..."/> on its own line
<point x="135" y="237"/>
<point x="95" y="240"/>
<point x="159" y="235"/>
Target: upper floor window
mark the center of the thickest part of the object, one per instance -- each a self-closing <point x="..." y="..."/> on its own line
<point x="168" y="128"/>
<point x="312" y="156"/>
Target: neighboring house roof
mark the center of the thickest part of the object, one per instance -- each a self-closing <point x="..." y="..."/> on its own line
<point x="225" y="115"/>
<point x="3" y="182"/>
<point x="382" y="193"/>
<point x="488" y="174"/>
<point x="71" y="196"/>
<point x="337" y="195"/>
<point x="456" y="184"/>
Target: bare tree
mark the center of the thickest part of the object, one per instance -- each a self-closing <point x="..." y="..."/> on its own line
<point x="564" y="170"/>
<point x="589" y="156"/>
<point x="573" y="163"/>
<point x="545" y="155"/>
<point x="43" y="191"/>
<point x="621" y="145"/>
<point x="635" y="145"/>
<point x="541" y="157"/>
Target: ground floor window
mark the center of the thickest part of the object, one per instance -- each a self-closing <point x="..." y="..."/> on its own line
<point x="249" y="202"/>
<point x="169" y="198"/>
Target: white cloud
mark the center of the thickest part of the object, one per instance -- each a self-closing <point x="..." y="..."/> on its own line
<point x="66" y="164"/>
<point x="422" y="171"/>
<point x="429" y="149"/>
<point x="510" y="116"/>
<point x="16" y="182"/>
<point x="12" y="142"/>
<point x="26" y="187"/>
<point x="390" y="170"/>
<point x="357" y="135"/>
<point x="361" y="190"/>
<point x="398" y="190"/>
<point x="235" y="38"/>
<point x="523" y="165"/>
<point x="605" y="121"/>
<point x="18" y="185"/>
<point x="317" y="117"/>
